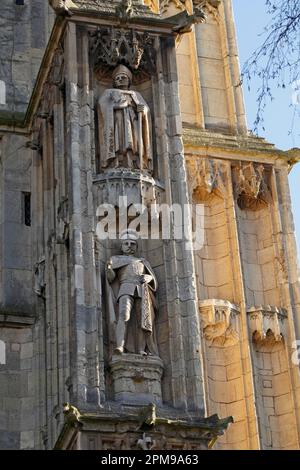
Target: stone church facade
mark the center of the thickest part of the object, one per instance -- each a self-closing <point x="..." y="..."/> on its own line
<point x="131" y="342"/>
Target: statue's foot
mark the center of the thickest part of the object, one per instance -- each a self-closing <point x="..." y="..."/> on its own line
<point x="119" y="350"/>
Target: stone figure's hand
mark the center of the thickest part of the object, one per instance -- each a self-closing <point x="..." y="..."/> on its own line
<point x="110" y="273"/>
<point x="141" y="108"/>
<point x="146" y="278"/>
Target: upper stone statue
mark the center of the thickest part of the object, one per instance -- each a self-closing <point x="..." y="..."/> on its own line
<point x="124" y="125"/>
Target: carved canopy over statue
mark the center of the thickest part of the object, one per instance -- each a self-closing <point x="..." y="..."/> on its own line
<point x="131" y="287"/>
<point x="124" y="125"/>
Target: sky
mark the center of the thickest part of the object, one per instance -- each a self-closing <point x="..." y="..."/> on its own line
<point x="251" y="18"/>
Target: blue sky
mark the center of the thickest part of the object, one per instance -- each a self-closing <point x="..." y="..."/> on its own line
<point x="250" y="18"/>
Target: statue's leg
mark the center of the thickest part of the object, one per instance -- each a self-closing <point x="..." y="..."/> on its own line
<point x="125" y="307"/>
<point x="141" y="340"/>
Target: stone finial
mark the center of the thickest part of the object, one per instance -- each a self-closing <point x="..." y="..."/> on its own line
<point x="219" y="322"/>
<point x="267" y="324"/>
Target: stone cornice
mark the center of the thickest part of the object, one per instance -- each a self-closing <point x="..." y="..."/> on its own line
<point x="203" y="141"/>
<point x="133" y="418"/>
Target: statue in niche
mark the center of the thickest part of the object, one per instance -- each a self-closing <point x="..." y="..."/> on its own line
<point x="124" y="125"/>
<point x="131" y="287"/>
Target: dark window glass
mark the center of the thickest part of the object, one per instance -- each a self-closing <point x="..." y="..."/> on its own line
<point x="19" y="2"/>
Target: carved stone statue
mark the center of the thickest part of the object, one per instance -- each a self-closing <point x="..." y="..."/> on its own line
<point x="124" y="125"/>
<point x="131" y="287"/>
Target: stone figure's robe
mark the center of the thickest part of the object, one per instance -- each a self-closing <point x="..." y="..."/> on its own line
<point x="126" y="284"/>
<point x="120" y="131"/>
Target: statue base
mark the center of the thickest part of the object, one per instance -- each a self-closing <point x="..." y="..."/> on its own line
<point x="137" y="379"/>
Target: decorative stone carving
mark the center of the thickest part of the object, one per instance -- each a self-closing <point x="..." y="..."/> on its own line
<point x="39" y="277"/>
<point x="136" y="187"/>
<point x="62" y="231"/>
<point x="61" y="6"/>
<point x="267" y="324"/>
<point x="206" y="179"/>
<point x="197" y="5"/>
<point x="136" y="378"/>
<point x="164" y="4"/>
<point x="124" y="125"/>
<point x="146" y="443"/>
<point x="115" y="427"/>
<point x="125" y="10"/>
<point x="112" y="46"/>
<point x="185" y="22"/>
<point x="219" y="322"/>
<point x="251" y="188"/>
<point x="131" y="287"/>
<point x="210" y="7"/>
<point x="56" y="75"/>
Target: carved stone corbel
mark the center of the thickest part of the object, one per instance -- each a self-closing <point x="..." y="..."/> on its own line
<point x="206" y="179"/>
<point x="61" y="6"/>
<point x="267" y="324"/>
<point x="219" y="322"/>
<point x="251" y="188"/>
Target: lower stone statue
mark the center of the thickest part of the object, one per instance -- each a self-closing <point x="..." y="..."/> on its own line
<point x="131" y="286"/>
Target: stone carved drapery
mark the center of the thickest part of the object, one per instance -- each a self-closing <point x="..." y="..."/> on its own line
<point x="267" y="324"/>
<point x="219" y="322"/>
<point x="251" y="188"/>
<point x="63" y="222"/>
<point x="206" y="179"/>
<point x="39" y="277"/>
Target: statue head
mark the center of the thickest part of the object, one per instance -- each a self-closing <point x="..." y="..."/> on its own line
<point x="122" y="77"/>
<point x="129" y="242"/>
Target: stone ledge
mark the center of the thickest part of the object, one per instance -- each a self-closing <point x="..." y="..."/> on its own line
<point x="16" y="321"/>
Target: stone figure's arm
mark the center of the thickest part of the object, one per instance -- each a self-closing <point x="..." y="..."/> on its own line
<point x="149" y="277"/>
<point x="119" y="102"/>
<point x="110" y="273"/>
<point x="141" y="105"/>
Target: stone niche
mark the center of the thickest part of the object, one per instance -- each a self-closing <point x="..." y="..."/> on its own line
<point x="137" y="379"/>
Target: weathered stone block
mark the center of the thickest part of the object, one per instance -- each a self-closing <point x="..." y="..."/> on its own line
<point x="137" y="379"/>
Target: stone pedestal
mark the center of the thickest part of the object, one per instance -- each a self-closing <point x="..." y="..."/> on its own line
<point x="137" y="379"/>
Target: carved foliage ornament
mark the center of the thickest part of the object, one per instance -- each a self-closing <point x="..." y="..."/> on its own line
<point x="251" y="188"/>
<point x="182" y="4"/>
<point x="206" y="179"/>
<point x="219" y="322"/>
<point x="112" y="46"/>
<point x="267" y="324"/>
